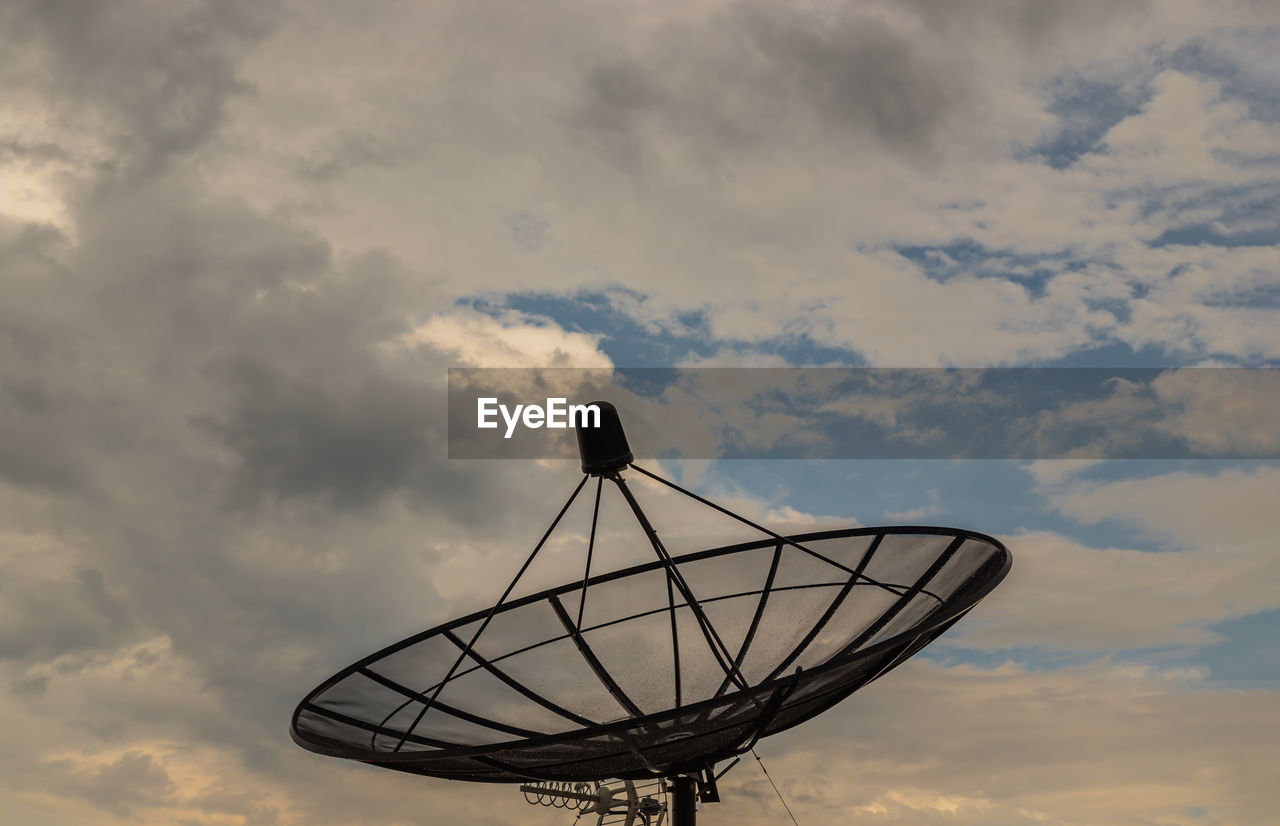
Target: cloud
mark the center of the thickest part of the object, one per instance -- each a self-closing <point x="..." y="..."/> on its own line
<point x="1115" y="419"/>
<point x="351" y="442"/>
<point x="915" y="516"/>
<point x="132" y="780"/>
<point x="1181" y="509"/>
<point x="54" y="601"/>
<point x="1064" y="595"/>
<point x="159" y="89"/>
<point x="958" y="745"/>
<point x="767" y="76"/>
<point x="783" y="151"/>
<point x="1227" y="414"/>
<point x="1216" y="563"/>
<point x="216" y="462"/>
<point x="514" y="340"/>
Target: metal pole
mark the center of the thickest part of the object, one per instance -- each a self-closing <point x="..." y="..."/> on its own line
<point x="684" y="800"/>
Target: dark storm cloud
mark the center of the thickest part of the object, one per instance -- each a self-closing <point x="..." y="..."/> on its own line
<point x="349" y="152"/>
<point x="50" y="616"/>
<point x="134" y="779"/>
<point x="225" y="325"/>
<point x="865" y="75"/>
<point x="148" y="93"/>
<point x="905" y="77"/>
<point x="36" y="408"/>
<point x="29" y="456"/>
<point x="204" y="396"/>
<point x="279" y="345"/>
<point x="207" y="386"/>
<point x="196" y="393"/>
<point x="1029" y="23"/>
<point x="100" y="335"/>
<point x="33" y="152"/>
<point x="206" y="391"/>
<point x="763" y="73"/>
<point x="349" y="439"/>
<point x="162" y="86"/>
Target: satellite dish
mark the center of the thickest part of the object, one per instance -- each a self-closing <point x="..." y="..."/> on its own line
<point x="659" y="670"/>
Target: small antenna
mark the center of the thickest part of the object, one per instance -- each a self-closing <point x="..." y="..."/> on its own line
<point x="604" y="448"/>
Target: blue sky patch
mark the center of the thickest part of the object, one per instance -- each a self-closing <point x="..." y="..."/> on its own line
<point x="1087" y="108"/>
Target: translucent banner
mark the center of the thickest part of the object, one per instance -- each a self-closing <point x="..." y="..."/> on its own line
<point x="874" y="413"/>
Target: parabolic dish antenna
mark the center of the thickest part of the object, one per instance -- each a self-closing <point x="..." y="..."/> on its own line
<point x="657" y="670"/>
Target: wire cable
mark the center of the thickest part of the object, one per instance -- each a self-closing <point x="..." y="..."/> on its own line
<point x="775" y="787"/>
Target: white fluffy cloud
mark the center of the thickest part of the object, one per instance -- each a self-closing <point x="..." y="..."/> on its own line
<point x="1216" y="562"/>
<point x="1084" y="745"/>
<point x="477" y="340"/>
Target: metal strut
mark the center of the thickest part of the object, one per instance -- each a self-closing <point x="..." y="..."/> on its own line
<point x="471" y="643"/>
<point x="858" y="575"/>
<point x="718" y="649"/>
<point x="591" y="546"/>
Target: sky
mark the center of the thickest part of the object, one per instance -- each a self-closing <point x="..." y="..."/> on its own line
<point x="242" y="242"/>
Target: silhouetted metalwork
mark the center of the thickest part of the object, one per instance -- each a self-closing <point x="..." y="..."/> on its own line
<point x="658" y="670"/>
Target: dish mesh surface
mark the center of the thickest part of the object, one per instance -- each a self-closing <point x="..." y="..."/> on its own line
<point x="625" y="676"/>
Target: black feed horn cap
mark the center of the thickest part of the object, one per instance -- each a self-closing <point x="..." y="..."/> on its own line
<point x="603" y="449"/>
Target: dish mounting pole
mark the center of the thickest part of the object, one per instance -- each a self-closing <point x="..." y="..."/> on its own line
<point x="684" y="800"/>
